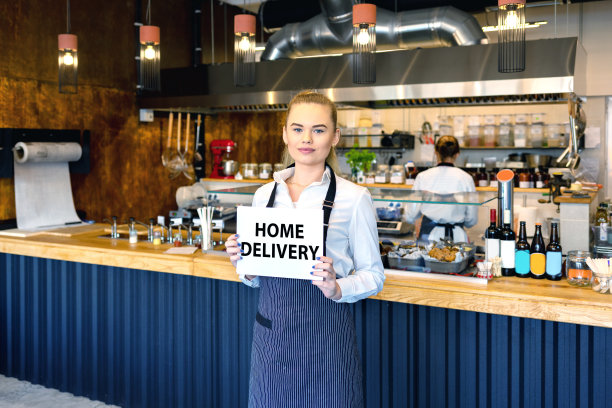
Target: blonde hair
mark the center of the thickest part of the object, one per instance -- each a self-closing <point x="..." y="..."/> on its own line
<point x="319" y="99"/>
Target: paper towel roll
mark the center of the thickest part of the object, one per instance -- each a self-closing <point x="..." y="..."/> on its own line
<point x="46" y="152"/>
<point x="43" y="195"/>
<point x="530" y="216"/>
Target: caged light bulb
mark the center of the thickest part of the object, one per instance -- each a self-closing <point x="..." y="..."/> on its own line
<point x="245" y="43"/>
<point x="68" y="59"/>
<point x="363" y="37"/>
<point x="512" y="19"/>
<point x="149" y="52"/>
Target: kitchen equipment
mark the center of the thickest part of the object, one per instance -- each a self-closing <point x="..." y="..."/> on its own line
<point x="197" y="156"/>
<point x="176" y="164"/>
<point x="188" y="170"/>
<point x="393" y="228"/>
<point x="167" y="153"/>
<point x="230" y="167"/>
<point x="221" y="150"/>
<point x="401" y="139"/>
<point x="505" y="193"/>
<point x="517" y="157"/>
<point x="538" y="160"/>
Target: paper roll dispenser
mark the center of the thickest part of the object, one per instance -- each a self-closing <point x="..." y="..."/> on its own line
<point x="9" y="137"/>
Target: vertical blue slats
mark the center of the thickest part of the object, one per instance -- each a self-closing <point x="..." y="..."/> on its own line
<point x="140" y="338"/>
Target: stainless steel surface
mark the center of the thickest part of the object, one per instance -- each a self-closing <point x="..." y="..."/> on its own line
<point x="537" y="160"/>
<point x="405" y="78"/>
<point x="505" y="199"/>
<point x="230" y="167"/>
<point x="331" y="31"/>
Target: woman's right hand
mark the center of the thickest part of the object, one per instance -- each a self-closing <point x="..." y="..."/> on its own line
<point x="232" y="248"/>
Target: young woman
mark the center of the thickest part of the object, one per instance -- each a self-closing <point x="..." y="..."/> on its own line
<point x="304" y="342"/>
<point x="444" y="220"/>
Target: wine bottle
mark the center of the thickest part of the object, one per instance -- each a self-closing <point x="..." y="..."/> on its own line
<point x="522" y="252"/>
<point x="537" y="254"/>
<point x="507" y="246"/>
<point x="553" y="255"/>
<point x="492" y="236"/>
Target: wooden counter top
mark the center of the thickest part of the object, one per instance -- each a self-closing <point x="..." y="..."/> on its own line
<point x="538" y="299"/>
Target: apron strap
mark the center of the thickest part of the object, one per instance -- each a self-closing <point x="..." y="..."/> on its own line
<point x="328" y="202"/>
<point x="427" y="225"/>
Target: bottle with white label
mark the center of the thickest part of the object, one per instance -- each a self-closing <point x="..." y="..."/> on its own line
<point x="492" y="236"/>
<point x="133" y="235"/>
<point x="507" y="245"/>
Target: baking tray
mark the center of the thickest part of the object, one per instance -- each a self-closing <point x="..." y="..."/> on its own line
<point x="447" y="267"/>
<point x="402" y="263"/>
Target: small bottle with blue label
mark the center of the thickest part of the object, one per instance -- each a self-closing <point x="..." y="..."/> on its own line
<point x="553" y="255"/>
<point x="522" y="252"/>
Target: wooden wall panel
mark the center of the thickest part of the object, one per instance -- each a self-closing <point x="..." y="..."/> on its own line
<point x="258" y="135"/>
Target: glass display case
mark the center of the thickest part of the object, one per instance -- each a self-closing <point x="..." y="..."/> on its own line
<point x="403" y="195"/>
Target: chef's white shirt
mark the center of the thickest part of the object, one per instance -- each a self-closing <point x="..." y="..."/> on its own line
<point x="445" y="180"/>
<point x="352" y="237"/>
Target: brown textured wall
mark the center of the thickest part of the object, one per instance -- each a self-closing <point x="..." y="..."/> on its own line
<point x="127" y="178"/>
<point x="258" y="135"/>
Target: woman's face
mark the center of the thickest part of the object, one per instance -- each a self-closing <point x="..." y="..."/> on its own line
<point x="310" y="133"/>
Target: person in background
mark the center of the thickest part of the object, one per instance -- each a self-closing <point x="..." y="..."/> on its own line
<point x="444" y="220"/>
<point x="304" y="341"/>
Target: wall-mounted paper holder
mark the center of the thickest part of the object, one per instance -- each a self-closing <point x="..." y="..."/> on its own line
<point x="10" y="136"/>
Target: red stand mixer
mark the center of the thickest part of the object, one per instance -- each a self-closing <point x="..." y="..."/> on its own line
<point x="224" y="167"/>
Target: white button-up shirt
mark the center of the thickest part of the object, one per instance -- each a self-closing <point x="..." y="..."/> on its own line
<point x="352" y="237"/>
<point x="445" y="180"/>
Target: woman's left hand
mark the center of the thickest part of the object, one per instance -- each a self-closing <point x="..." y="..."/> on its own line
<point x="328" y="285"/>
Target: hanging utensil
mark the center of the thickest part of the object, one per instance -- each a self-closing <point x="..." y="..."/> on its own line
<point x="196" y="155"/>
<point x="167" y="153"/>
<point x="175" y="164"/>
<point x="188" y="170"/>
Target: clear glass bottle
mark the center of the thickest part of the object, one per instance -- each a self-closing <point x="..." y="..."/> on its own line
<point x="133" y="234"/>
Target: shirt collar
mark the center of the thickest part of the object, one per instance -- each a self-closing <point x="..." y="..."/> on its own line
<point x="282" y="175"/>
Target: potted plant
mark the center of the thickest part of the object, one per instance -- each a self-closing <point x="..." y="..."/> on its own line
<point x="360" y="162"/>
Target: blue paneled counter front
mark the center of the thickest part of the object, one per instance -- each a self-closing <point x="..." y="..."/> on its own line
<point x="137" y="328"/>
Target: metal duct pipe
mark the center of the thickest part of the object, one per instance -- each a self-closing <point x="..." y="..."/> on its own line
<point x="331" y="31"/>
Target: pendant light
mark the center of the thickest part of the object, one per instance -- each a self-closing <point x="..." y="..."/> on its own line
<point x="511" y="34"/>
<point x="364" y="43"/>
<point x="244" y="50"/>
<point x="68" y="60"/>
<point x="149" y="74"/>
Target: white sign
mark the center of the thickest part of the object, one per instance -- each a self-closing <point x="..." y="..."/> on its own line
<point x="280" y="242"/>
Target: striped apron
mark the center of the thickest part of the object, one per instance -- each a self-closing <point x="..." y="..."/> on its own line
<point x="304" y="345"/>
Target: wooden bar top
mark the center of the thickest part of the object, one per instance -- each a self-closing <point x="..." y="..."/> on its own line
<point x="538" y="299"/>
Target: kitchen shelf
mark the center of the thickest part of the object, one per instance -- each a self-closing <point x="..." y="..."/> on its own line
<point x="394" y="194"/>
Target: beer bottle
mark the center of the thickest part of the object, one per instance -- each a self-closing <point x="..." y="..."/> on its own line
<point x="553" y="255"/>
<point x="507" y="246"/>
<point x="522" y="252"/>
<point x="492" y="236"/>
<point x="537" y="254"/>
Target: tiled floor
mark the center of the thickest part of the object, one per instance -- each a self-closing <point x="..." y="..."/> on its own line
<point x="22" y="394"/>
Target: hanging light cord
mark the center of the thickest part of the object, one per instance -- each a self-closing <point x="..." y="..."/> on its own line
<point x="67" y="16"/>
<point x="148" y="16"/>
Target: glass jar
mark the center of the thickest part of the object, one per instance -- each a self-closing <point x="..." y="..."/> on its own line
<point x="249" y="170"/>
<point x="578" y="272"/>
<point x="278" y="167"/>
<point x="382" y="173"/>
<point x="490" y="135"/>
<point x="520" y="135"/>
<point x="473" y="136"/>
<point x="505" y="137"/>
<point x="536" y="135"/>
<point x="370" y="177"/>
<point x="265" y="171"/>
<point x="398" y="176"/>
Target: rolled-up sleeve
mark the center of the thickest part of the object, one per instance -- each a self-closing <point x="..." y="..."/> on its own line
<point x="368" y="277"/>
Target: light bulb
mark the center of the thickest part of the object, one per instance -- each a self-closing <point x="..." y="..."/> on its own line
<point x="149" y="52"/>
<point x="68" y="59"/>
<point x="512" y="19"/>
<point x="245" y="43"/>
<point x="363" y="37"/>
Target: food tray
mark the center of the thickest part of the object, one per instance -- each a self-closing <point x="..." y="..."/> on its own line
<point x="447" y="267"/>
<point x="402" y="263"/>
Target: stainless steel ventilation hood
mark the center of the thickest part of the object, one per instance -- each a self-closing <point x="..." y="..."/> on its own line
<point x="434" y="76"/>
